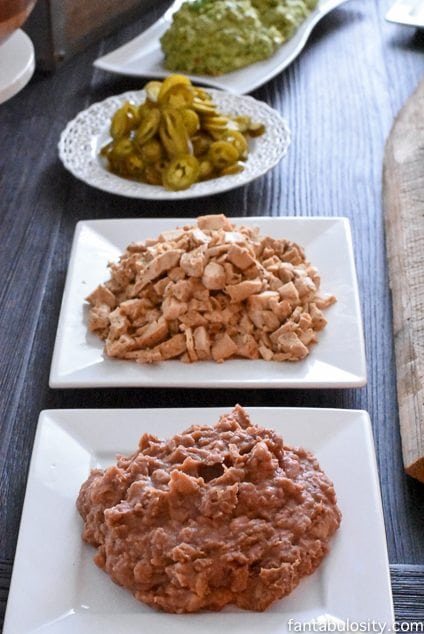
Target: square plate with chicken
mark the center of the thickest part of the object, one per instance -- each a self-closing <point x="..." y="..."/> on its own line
<point x="232" y="339"/>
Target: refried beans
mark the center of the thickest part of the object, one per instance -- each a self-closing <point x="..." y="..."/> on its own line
<point x="215" y="515"/>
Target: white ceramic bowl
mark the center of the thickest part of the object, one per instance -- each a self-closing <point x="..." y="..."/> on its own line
<point x="13" y="13"/>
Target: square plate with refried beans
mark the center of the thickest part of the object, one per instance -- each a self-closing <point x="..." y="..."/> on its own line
<point x="66" y="592"/>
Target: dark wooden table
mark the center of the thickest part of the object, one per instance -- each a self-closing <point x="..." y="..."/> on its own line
<point x="340" y="98"/>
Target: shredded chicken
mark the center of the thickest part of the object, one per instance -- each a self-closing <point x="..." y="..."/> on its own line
<point x="210" y="291"/>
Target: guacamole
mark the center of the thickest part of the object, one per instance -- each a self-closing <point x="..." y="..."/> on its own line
<point x="211" y="37"/>
<point x="285" y="15"/>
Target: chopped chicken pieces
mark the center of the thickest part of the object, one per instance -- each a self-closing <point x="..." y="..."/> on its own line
<point x="213" y="277"/>
<point x="210" y="291"/>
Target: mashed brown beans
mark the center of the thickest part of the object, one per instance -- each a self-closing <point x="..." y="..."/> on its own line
<point x="215" y="515"/>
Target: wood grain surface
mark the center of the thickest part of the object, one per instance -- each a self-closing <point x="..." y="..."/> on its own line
<point x="404" y="214"/>
<point x="340" y="98"/>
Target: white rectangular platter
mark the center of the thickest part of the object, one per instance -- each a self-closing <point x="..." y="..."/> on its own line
<point x="57" y="589"/>
<point x="143" y="57"/>
<point x="338" y="360"/>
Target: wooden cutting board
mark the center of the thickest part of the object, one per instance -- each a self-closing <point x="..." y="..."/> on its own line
<point x="403" y="193"/>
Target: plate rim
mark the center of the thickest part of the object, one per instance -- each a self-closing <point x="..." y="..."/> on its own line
<point x="61" y="380"/>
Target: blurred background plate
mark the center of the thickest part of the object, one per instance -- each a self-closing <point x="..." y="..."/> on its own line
<point x="409" y="12"/>
<point x="17" y="60"/>
<point x="16" y="64"/>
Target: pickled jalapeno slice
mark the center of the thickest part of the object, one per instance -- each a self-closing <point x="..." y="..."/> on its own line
<point x="222" y="154"/>
<point x="173" y="133"/>
<point x="152" y="89"/>
<point x="176" y="91"/>
<point x="134" y="164"/>
<point x="148" y="127"/>
<point x="235" y="168"/>
<point x="177" y="136"/>
<point x="191" y="121"/>
<point x="206" y="169"/>
<point x="256" y="129"/>
<point x="123" y="121"/>
<point x="122" y="148"/>
<point x="239" y="141"/>
<point x="201" y="143"/>
<point x="171" y="82"/>
<point x="151" y="152"/>
<point x="181" y="172"/>
<point x="153" y="175"/>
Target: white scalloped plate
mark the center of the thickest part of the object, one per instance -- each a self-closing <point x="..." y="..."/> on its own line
<point x="83" y="137"/>
<point x="143" y="57"/>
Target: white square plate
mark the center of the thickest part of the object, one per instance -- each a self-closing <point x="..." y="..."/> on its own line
<point x="56" y="587"/>
<point x="338" y="360"/>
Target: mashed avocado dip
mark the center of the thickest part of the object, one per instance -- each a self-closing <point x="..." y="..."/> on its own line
<point x="211" y="37"/>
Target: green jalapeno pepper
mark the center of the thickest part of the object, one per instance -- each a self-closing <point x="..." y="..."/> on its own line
<point x="222" y="154"/>
<point x="181" y="172"/>
<point x="148" y="127"/>
<point x="173" y="133"/>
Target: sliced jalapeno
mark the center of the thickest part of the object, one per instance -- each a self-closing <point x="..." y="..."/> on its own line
<point x="203" y="103"/>
<point x="134" y="115"/>
<point x="176" y="92"/>
<point x="123" y="121"/>
<point x="107" y="149"/>
<point x="177" y="136"/>
<point x="144" y="108"/>
<point x="206" y="169"/>
<point x="173" y="133"/>
<point x="191" y="121"/>
<point x="152" y="175"/>
<point x="256" y="129"/>
<point x="148" y="127"/>
<point x="178" y="97"/>
<point x="152" y="89"/>
<point x="171" y="82"/>
<point x="122" y="148"/>
<point x="235" y="168"/>
<point x="216" y="125"/>
<point x="151" y="152"/>
<point x="239" y="141"/>
<point x="201" y="143"/>
<point x="222" y="154"/>
<point x="134" y="165"/>
<point x="181" y="172"/>
<point x="243" y="122"/>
